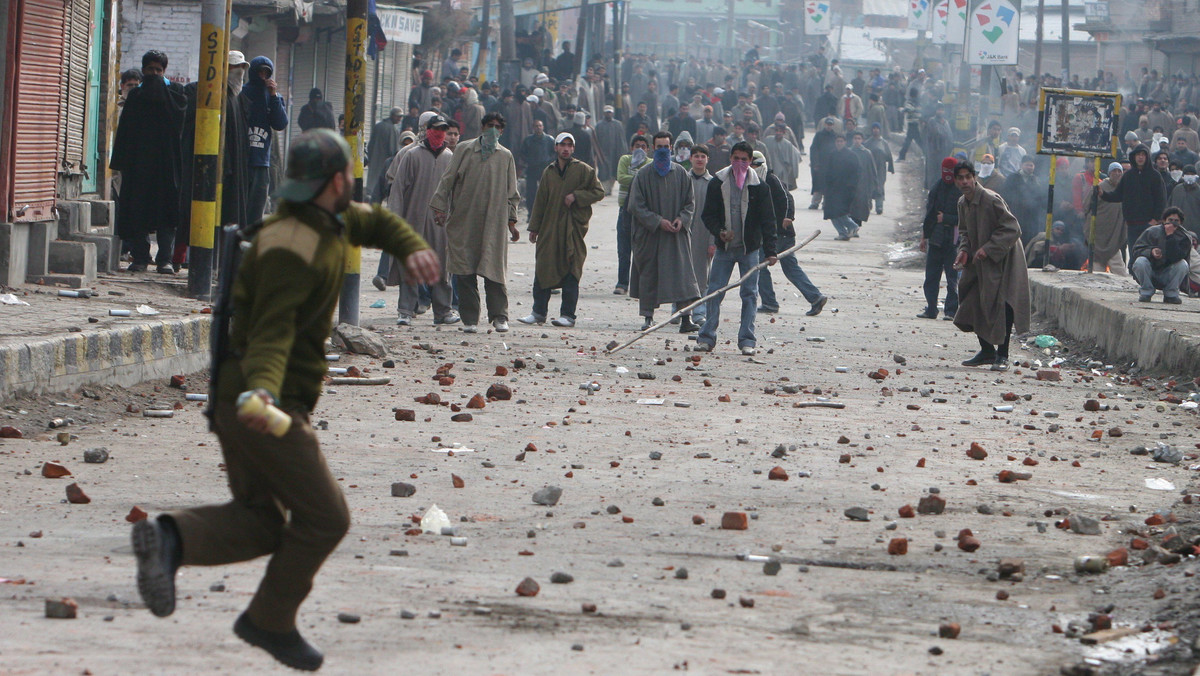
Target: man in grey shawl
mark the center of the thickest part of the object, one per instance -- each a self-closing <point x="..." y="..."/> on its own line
<point x="702" y="242"/>
<point x="475" y="201"/>
<point x="385" y="141"/>
<point x="661" y="204"/>
<point x="414" y="178"/>
<point x="782" y="156"/>
<point x="864" y="189"/>
<point x="610" y="145"/>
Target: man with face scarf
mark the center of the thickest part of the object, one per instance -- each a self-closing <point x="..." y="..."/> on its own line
<point x="627" y="167"/>
<point x="558" y="226"/>
<point x="233" y="164"/>
<point x="739" y="213"/>
<point x="415" y="176"/>
<point x="476" y="201"/>
<point x="285" y="504"/>
<point x="265" y="113"/>
<point x="939" y="241"/>
<point x="661" y="204"/>
<point x="989" y="176"/>
<point x="148" y="153"/>
<point x="1111" y="232"/>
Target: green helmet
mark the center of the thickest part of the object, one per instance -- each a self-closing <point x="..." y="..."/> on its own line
<point x="314" y="158"/>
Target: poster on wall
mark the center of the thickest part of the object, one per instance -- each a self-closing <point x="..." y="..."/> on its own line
<point x="993" y="32"/>
<point x="817" y="19"/>
<point x="920" y="13"/>
<point x="1078" y="123"/>
<point x="956" y="21"/>
<point x="941" y="12"/>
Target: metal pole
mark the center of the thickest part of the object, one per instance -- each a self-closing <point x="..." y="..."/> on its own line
<point x="1066" y="44"/>
<point x="1037" y="48"/>
<point x="1092" y="228"/>
<point x="1050" y="205"/>
<point x="356" y="92"/>
<point x="206" y="173"/>
<point x="714" y="294"/>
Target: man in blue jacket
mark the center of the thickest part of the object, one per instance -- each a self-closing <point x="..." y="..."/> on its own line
<point x="265" y="112"/>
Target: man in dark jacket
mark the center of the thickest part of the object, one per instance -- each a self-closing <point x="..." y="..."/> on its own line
<point x="820" y="152"/>
<point x="844" y="171"/>
<point x="317" y="113"/>
<point x="1140" y="193"/>
<point x="681" y="122"/>
<point x="739" y="213"/>
<point x="265" y="111"/>
<point x="1160" y="257"/>
<point x="233" y="165"/>
<point x="785" y="214"/>
<point x="1026" y="198"/>
<point x="147" y="151"/>
<point x="939" y="241"/>
<point x="536" y="153"/>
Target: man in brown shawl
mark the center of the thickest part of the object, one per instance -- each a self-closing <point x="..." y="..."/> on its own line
<point x="1111" y="235"/>
<point x="475" y="201"/>
<point x="558" y="224"/>
<point x="994" y="290"/>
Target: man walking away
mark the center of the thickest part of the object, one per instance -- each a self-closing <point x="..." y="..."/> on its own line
<point x="844" y="173"/>
<point x="385" y="142"/>
<point x="537" y="152"/>
<point x="477" y="202"/>
<point x="317" y="113"/>
<point x="785" y="214"/>
<point x="882" y="152"/>
<point x="820" y="153"/>
<point x="610" y="145"/>
<point x="994" y="292"/>
<point x="265" y="111"/>
<point x="557" y="227"/>
<point x="739" y="214"/>
<point x="1141" y="194"/>
<point x="285" y="504"/>
<point x="939" y="241"/>
<point x="147" y="151"/>
<point x="1160" y="258"/>
<point x="661" y="204"/>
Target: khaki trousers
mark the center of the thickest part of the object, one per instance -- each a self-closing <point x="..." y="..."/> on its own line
<point x="285" y="504"/>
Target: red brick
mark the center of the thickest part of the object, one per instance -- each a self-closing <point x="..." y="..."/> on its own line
<point x="907" y="512"/>
<point x="136" y="514"/>
<point x="777" y="474"/>
<point x="1049" y="375"/>
<point x="898" y="546"/>
<point x="53" y="470"/>
<point x="976" y="451"/>
<point x="477" y="401"/>
<point x="968" y="543"/>
<point x="949" y="630"/>
<point x="76" y="496"/>
<point x="528" y="587"/>
<point x="734" y="521"/>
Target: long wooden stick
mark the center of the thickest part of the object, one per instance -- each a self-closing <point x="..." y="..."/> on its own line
<point x="718" y="292"/>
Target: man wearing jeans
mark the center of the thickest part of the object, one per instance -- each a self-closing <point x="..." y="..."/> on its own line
<point x="844" y="171"/>
<point x="1160" y="258"/>
<point x="785" y="212"/>
<point x="739" y="214"/>
<point x="627" y="166"/>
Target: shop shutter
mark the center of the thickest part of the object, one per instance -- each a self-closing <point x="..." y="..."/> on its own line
<point x="331" y="63"/>
<point x="37" y="118"/>
<point x="302" y="80"/>
<point x="73" y="108"/>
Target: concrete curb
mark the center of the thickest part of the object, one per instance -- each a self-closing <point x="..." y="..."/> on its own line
<point x="1106" y="313"/>
<point x="123" y="356"/>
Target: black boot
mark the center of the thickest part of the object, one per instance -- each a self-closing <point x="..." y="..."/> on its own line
<point x="289" y="648"/>
<point x="1001" y="363"/>
<point x="687" y="325"/>
<point x="982" y="358"/>
<point x="157" y="548"/>
<point x="928" y="313"/>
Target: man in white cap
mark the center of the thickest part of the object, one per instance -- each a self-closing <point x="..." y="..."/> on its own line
<point x="852" y="105"/>
<point x="610" y="145"/>
<point x="582" y="139"/>
<point x="561" y="213"/>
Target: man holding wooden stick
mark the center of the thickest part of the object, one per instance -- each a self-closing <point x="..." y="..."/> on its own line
<point x="739" y="213"/>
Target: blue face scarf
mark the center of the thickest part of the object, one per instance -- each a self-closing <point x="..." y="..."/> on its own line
<point x="662" y="161"/>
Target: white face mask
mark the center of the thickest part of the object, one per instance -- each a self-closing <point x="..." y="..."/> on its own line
<point x="1190" y="179"/>
<point x="682" y="155"/>
<point x="986" y="170"/>
<point x="237" y="78"/>
<point x="1176" y="175"/>
<point x="1158" y="136"/>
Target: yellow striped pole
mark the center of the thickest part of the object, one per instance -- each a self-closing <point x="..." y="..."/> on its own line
<point x="356" y="93"/>
<point x="206" y="165"/>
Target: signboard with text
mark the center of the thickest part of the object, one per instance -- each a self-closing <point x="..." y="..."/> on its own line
<point x="1078" y="123"/>
<point x="993" y="32"/>
<point x="401" y="26"/>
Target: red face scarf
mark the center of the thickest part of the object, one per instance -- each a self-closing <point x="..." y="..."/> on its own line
<point x="436" y="137"/>
<point x="948" y="165"/>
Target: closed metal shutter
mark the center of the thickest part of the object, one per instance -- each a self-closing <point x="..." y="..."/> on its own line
<point x="331" y="63"/>
<point x="37" y="119"/>
<point x="73" y="107"/>
<point x="302" y="80"/>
